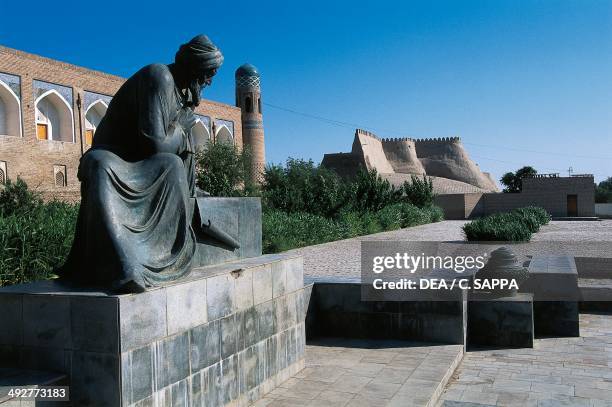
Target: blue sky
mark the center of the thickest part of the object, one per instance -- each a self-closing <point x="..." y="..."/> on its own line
<point x="522" y="82"/>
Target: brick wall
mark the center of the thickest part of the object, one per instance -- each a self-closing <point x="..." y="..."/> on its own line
<point x="548" y="193"/>
<point x="33" y="159"/>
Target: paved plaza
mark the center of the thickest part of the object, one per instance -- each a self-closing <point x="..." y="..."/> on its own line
<point x="368" y="373"/>
<point x="556" y="372"/>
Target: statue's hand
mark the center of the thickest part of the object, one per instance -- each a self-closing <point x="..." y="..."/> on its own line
<point x="186" y="119"/>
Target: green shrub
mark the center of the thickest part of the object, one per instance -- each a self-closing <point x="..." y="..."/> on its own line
<point x="516" y="226"/>
<point x="390" y="217"/>
<point x="300" y="186"/>
<point x="419" y="192"/>
<point x="34" y="242"/>
<point x="436" y="214"/>
<point x="540" y="214"/>
<point x="369" y="192"/>
<point x="224" y="170"/>
<point x="283" y="231"/>
<point x="497" y="227"/>
<point x="15" y="197"/>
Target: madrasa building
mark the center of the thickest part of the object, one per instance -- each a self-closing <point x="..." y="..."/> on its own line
<point x="49" y="111"/>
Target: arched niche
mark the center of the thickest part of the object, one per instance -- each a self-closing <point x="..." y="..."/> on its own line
<point x="10" y="112"/>
<point x="224" y="135"/>
<point x="54" y="117"/>
<point x="201" y="134"/>
<point x="93" y="115"/>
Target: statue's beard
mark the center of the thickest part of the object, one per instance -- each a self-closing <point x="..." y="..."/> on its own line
<point x="194" y="90"/>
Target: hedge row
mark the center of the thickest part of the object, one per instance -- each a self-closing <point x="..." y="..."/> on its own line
<point x="283" y="231"/>
<point x="514" y="226"/>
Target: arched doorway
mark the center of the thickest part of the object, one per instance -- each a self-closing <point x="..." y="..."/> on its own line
<point x="201" y="134"/>
<point x="10" y="112"/>
<point x="93" y="115"/>
<point x="224" y="135"/>
<point x="54" y="118"/>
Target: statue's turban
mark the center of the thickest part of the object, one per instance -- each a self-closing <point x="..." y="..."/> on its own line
<point x="199" y="54"/>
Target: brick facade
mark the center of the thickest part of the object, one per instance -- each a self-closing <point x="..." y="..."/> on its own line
<point x="550" y="193"/>
<point x="34" y="160"/>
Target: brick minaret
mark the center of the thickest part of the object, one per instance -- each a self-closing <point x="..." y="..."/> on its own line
<point x="248" y="99"/>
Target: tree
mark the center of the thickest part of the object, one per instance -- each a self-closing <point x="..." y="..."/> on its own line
<point x="224" y="170"/>
<point x="603" y="191"/>
<point x="513" y="180"/>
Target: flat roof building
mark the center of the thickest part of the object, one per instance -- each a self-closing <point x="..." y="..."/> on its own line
<point x="562" y="197"/>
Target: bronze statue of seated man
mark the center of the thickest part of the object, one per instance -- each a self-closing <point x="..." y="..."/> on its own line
<point x="134" y="228"/>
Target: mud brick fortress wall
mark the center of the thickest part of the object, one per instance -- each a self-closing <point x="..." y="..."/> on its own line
<point x="443" y="158"/>
<point x="50" y="165"/>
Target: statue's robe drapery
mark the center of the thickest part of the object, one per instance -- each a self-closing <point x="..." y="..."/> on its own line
<point x="137" y="189"/>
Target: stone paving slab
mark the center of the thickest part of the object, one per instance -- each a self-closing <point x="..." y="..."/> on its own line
<point x="345" y="372"/>
<point x="556" y="372"/>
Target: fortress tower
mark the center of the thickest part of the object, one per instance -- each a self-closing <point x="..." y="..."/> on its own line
<point x="401" y="154"/>
<point x="248" y="99"/>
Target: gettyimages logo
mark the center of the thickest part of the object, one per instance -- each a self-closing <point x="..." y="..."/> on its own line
<point x="411" y="263"/>
<point x="411" y="270"/>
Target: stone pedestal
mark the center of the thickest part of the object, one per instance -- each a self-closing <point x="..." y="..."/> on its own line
<point x="225" y="335"/>
<point x="239" y="218"/>
<point x="505" y="322"/>
<point x="553" y="280"/>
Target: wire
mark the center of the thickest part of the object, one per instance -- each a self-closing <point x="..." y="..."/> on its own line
<point x="379" y="130"/>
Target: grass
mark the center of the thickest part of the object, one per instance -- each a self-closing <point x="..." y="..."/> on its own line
<point x="33" y="243"/>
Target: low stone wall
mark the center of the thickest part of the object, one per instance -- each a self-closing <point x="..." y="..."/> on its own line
<point x="225" y="335"/>
<point x="603" y="210"/>
<point x="336" y="309"/>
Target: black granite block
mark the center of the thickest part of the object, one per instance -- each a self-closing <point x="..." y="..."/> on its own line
<point x="251" y="365"/>
<point x="229" y="335"/>
<point x="229" y="379"/>
<point x="556" y="318"/>
<point x="11" y="306"/>
<point x="176" y="357"/>
<point x="271" y="356"/>
<point x="179" y="394"/>
<point x="137" y="374"/>
<point x="94" y="324"/>
<point x="205" y="345"/>
<point x="46" y="321"/>
<point x="214" y="390"/>
<point x="265" y="320"/>
<point x="375" y="325"/>
<point x="247" y="335"/>
<point x="503" y="322"/>
<point x="281" y="313"/>
<point x="196" y="390"/>
<point x="98" y="381"/>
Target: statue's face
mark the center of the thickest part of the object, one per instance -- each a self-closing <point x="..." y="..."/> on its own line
<point x="199" y="82"/>
<point x="205" y="78"/>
